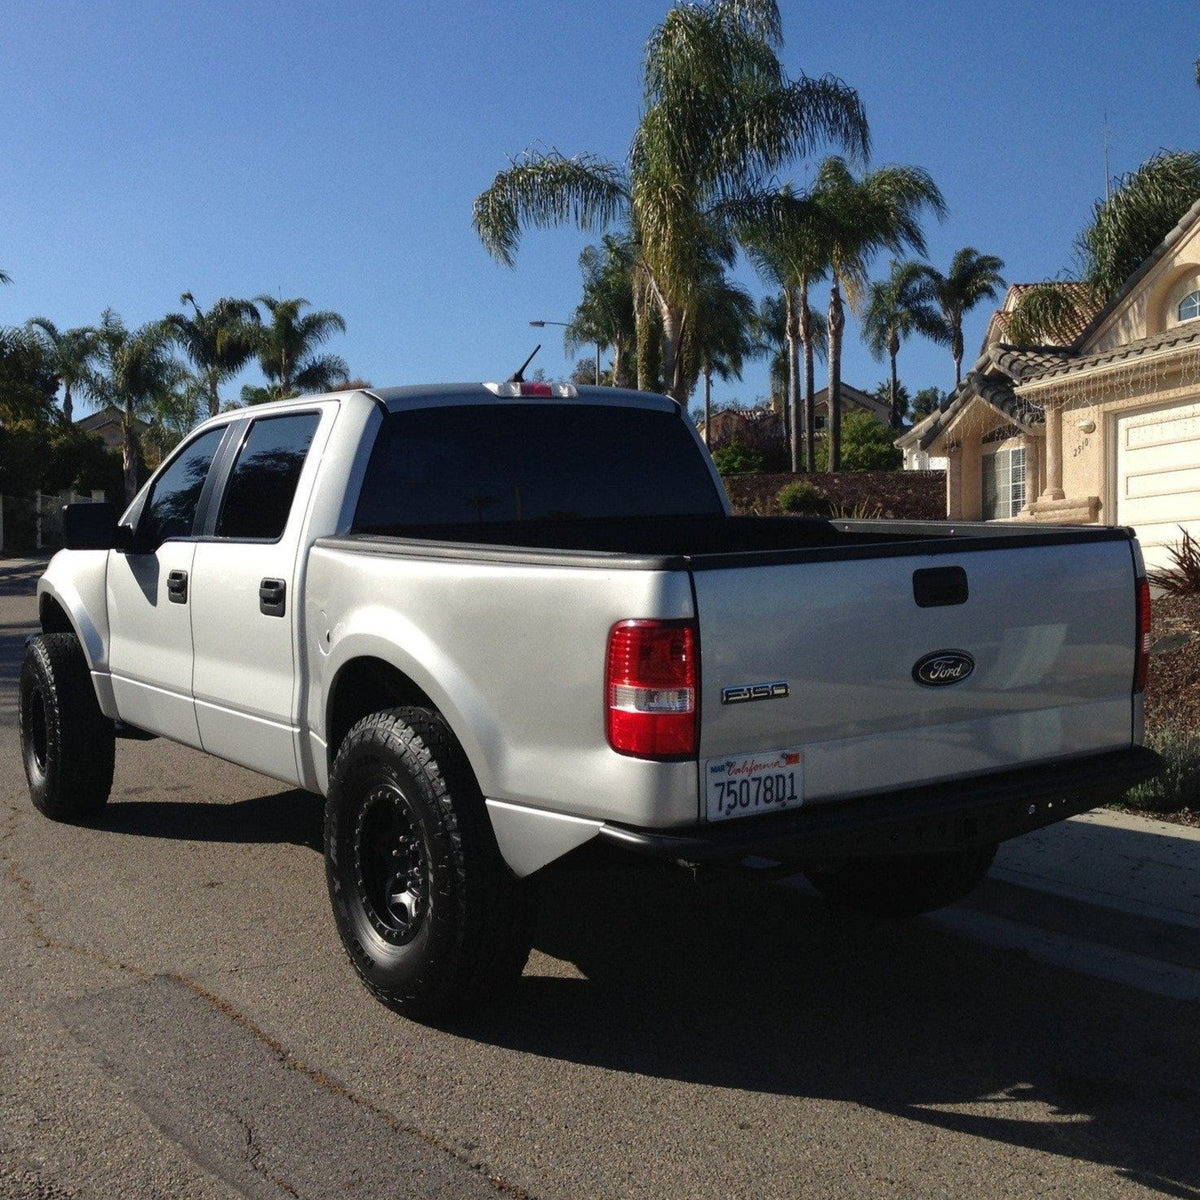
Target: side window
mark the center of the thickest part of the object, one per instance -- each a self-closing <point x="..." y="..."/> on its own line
<point x="263" y="482"/>
<point x="170" y="509"/>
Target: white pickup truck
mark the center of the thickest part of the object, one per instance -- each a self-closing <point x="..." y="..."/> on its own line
<point x="497" y="623"/>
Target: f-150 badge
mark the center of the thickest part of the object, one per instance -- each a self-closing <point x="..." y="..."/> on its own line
<point x="755" y="691"/>
<point x="943" y="667"/>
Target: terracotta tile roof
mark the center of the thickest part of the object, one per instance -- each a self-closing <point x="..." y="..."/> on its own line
<point x="1027" y="365"/>
<point x="995" y="390"/>
<point x="997" y="324"/>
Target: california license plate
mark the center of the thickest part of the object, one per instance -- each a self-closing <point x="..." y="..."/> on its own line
<point x="746" y="785"/>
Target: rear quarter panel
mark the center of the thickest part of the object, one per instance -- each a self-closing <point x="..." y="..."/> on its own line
<point x="513" y="655"/>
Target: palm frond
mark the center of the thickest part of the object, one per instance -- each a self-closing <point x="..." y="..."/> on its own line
<point x="543" y="190"/>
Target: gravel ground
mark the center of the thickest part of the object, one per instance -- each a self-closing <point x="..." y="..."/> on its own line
<point x="1173" y="688"/>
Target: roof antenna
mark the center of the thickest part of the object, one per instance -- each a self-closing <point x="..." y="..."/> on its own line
<point x="518" y="376"/>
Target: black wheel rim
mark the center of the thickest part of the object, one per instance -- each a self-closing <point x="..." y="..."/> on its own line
<point x="391" y="866"/>
<point x="35" y="725"/>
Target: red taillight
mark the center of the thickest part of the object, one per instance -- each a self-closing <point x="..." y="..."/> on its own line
<point x="1142" y="659"/>
<point x="650" y="689"/>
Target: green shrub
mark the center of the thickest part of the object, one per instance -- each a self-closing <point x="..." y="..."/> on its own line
<point x="1177" y="787"/>
<point x="866" y="445"/>
<point x="801" y="497"/>
<point x="736" y="458"/>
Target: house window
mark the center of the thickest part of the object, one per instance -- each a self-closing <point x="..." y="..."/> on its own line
<point x="1189" y="307"/>
<point x="1003" y="484"/>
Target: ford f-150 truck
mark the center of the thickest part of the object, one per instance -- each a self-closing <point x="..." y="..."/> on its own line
<point x="495" y="624"/>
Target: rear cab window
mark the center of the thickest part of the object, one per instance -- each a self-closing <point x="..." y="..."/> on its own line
<point x="489" y="464"/>
<point x="263" y="481"/>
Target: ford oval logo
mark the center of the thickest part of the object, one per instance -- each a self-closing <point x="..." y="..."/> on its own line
<point x="943" y="667"/>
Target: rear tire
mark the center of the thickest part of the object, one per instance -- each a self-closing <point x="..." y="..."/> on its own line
<point x="905" y="885"/>
<point x="67" y="743"/>
<point x="429" y="913"/>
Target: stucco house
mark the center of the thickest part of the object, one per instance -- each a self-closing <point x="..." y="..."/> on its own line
<point x="1103" y="430"/>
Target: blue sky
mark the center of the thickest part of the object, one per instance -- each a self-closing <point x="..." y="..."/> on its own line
<point x="333" y="152"/>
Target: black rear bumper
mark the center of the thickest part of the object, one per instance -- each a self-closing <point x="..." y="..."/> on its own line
<point x="942" y="817"/>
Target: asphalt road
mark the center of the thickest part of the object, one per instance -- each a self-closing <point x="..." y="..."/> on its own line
<point x="180" y="1022"/>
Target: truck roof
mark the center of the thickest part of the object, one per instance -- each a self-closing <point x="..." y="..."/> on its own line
<point x="427" y="395"/>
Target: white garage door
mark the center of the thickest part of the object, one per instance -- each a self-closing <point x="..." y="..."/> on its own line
<point x="1158" y="477"/>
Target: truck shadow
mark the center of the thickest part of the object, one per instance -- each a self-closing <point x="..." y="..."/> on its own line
<point x="292" y="817"/>
<point x="737" y="984"/>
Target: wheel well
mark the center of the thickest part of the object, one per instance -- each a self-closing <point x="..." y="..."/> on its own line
<point x="53" y="616"/>
<point x="364" y="686"/>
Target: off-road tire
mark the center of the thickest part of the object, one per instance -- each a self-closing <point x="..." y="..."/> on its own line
<point x="429" y="913"/>
<point x="67" y="743"/>
<point x="905" y="885"/>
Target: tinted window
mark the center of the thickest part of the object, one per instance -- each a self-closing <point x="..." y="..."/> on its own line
<point x="527" y="462"/>
<point x="259" y="496"/>
<point x="171" y="508"/>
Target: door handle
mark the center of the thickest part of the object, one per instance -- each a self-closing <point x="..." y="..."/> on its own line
<point x="272" y="595"/>
<point x="177" y="587"/>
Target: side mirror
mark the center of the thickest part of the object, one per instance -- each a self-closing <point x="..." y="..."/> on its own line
<point x="91" y="527"/>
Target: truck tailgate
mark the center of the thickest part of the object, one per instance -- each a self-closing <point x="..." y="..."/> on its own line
<point x="1029" y="654"/>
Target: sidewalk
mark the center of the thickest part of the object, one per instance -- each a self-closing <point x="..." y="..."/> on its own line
<point x="1110" y="895"/>
<point x="1112" y="860"/>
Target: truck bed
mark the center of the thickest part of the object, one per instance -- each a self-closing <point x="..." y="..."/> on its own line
<point x="715" y="535"/>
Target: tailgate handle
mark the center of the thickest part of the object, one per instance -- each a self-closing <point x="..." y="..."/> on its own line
<point x="940" y="587"/>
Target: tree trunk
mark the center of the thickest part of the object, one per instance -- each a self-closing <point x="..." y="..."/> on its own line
<point x="957" y="350"/>
<point x="810" y="406"/>
<point x="793" y="396"/>
<point x="893" y="351"/>
<point x="707" y="403"/>
<point x="129" y="453"/>
<point x="837" y="322"/>
<point x="68" y="404"/>
<point x="673" y="321"/>
<point x="621" y="373"/>
<point x="648" y="342"/>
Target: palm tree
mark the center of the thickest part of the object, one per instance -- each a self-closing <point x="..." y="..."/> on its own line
<point x="287" y="347"/>
<point x="70" y="351"/>
<point x="858" y="218"/>
<point x="720" y="116"/>
<point x="894" y="308"/>
<point x="4" y="278"/>
<point x="28" y="382"/>
<point x="1126" y="228"/>
<point x="771" y="343"/>
<point x="135" y="372"/>
<point x="787" y="251"/>
<point x="605" y="315"/>
<point x="973" y="278"/>
<point x="719" y="338"/>
<point x="218" y="343"/>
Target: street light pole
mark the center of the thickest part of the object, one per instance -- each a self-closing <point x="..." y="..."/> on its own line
<point x="566" y="325"/>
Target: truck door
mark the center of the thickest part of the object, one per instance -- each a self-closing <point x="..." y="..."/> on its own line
<point x="245" y="606"/>
<point x="149" y="592"/>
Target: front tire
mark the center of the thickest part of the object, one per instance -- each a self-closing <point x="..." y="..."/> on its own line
<point x="428" y="912"/>
<point x="67" y="743"/>
<point x="904" y="885"/>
